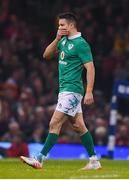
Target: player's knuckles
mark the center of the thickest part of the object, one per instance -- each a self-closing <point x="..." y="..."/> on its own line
<point x="88" y="102"/>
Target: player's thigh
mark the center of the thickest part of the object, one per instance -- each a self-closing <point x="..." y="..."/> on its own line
<point x="78" y="123"/>
<point x="58" y="119"/>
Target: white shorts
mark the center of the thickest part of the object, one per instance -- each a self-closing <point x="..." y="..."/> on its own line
<point x="69" y="103"/>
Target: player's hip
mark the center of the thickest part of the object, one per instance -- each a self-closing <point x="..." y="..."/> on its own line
<point x="74" y="88"/>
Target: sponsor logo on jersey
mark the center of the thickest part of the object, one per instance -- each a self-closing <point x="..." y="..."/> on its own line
<point x="62" y="55"/>
<point x="70" y="46"/>
<point x="62" y="62"/>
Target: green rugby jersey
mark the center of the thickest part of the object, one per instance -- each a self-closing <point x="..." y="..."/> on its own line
<point x="73" y="53"/>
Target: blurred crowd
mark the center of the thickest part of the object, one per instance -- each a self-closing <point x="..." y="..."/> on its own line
<point x="29" y="84"/>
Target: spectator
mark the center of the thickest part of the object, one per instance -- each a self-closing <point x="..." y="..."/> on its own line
<point x="121" y="138"/>
<point x="13" y="131"/>
<point x="18" y="147"/>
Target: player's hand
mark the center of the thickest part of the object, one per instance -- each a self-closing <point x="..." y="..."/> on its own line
<point x="88" y="98"/>
<point x="60" y="33"/>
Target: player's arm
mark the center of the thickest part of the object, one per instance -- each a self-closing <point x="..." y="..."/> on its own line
<point x="85" y="55"/>
<point x="88" y="98"/>
<point x="51" y="49"/>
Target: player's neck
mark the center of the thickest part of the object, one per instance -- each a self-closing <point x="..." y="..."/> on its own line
<point x="73" y="33"/>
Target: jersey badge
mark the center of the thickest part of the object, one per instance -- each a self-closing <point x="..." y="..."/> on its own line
<point x="70" y="46"/>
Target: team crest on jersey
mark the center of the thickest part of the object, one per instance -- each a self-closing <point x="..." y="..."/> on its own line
<point x="70" y="46"/>
<point x="62" y="55"/>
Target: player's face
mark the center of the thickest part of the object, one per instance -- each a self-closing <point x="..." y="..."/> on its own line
<point x="64" y="25"/>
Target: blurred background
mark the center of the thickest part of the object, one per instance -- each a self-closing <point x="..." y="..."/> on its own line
<point x="29" y="84"/>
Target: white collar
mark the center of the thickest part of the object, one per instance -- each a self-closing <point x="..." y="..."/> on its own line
<point x="75" y="36"/>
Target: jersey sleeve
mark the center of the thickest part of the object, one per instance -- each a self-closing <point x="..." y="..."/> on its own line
<point x="84" y="52"/>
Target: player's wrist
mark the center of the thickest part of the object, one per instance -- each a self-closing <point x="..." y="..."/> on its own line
<point x="89" y="89"/>
<point x="57" y="39"/>
<point x="58" y="36"/>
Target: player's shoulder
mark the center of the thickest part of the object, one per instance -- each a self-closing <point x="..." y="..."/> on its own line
<point x="63" y="40"/>
<point x="82" y="41"/>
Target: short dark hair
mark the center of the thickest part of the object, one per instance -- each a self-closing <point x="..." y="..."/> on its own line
<point x="69" y="16"/>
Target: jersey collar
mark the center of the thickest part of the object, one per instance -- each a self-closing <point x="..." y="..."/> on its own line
<point x="75" y="36"/>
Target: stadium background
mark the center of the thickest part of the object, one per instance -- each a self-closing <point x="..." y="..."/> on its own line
<point x="29" y="84"/>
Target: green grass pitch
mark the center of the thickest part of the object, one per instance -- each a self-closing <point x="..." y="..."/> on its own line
<point x="63" y="169"/>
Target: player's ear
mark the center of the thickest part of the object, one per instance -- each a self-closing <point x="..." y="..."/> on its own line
<point x="71" y="25"/>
